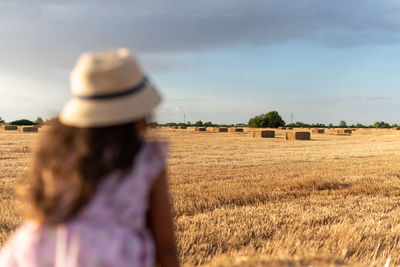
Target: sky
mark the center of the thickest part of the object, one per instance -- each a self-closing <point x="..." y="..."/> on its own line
<point x="223" y="61"/>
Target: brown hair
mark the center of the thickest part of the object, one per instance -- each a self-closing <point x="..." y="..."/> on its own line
<point x="70" y="162"/>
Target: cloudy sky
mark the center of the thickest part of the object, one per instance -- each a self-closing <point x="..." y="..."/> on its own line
<point x="222" y="61"/>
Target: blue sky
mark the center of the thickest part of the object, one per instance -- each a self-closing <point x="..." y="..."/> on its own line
<point x="222" y="61"/>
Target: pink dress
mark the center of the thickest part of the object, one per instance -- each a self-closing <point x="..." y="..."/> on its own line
<point x="110" y="231"/>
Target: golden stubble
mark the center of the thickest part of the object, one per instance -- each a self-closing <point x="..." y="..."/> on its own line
<point x="244" y="201"/>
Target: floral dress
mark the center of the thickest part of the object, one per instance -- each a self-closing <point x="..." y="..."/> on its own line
<point x="110" y="231"/>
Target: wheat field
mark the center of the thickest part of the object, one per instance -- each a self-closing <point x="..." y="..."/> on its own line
<point x="244" y="201"/>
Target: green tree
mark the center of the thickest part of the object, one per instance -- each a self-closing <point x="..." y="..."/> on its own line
<point x="39" y="120"/>
<point x="270" y="119"/>
<point x="22" y="122"/>
<point x="199" y="123"/>
<point x="381" y="124"/>
<point x="1" y="120"/>
<point x="342" y="124"/>
<point x="359" y="125"/>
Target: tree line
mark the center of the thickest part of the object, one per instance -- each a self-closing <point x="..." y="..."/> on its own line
<point x="271" y="119"/>
<point x="38" y="121"/>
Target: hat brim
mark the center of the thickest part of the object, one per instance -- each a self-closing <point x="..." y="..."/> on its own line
<point x="87" y="113"/>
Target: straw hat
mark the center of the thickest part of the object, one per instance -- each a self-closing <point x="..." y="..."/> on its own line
<point x="108" y="88"/>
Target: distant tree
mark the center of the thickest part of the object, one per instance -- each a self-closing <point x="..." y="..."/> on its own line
<point x="301" y="124"/>
<point x="381" y="124"/>
<point x="330" y="125"/>
<point x="395" y="125"/>
<point x="199" y="123"/>
<point x="1" y="120"/>
<point x="22" y="122"/>
<point x="318" y="125"/>
<point x="342" y="124"/>
<point x="39" y="120"/>
<point x="359" y="125"/>
<point x="208" y="123"/>
<point x="270" y="119"/>
<point x="188" y="123"/>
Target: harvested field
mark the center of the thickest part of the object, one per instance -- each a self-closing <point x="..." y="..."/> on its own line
<point x="243" y="201"/>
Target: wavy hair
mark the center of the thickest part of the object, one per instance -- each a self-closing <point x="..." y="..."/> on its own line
<point x="70" y="162"/>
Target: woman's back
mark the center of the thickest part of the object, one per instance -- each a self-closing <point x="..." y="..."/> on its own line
<point x="111" y="230"/>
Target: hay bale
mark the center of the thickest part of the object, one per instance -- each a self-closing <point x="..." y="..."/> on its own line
<point x="239" y="130"/>
<point x="200" y="129"/>
<point x="290" y="128"/>
<point x="298" y="136"/>
<point x="344" y="132"/>
<point x="396" y="128"/>
<point x="222" y="130"/>
<point x="318" y="131"/>
<point x="282" y="128"/>
<point x="29" y="129"/>
<point x="182" y="127"/>
<point x="264" y="134"/>
<point x="10" y="127"/>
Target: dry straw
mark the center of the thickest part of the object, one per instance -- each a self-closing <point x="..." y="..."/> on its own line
<point x="298" y="136"/>
<point x="10" y="127"/>
<point x="264" y="134"/>
<point x="318" y="131"/>
<point x="344" y="131"/>
<point x="200" y="129"/>
<point x="222" y="130"/>
<point x="28" y="129"/>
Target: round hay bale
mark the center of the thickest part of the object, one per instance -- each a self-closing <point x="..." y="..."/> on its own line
<point x="222" y="130"/>
<point x="239" y="130"/>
